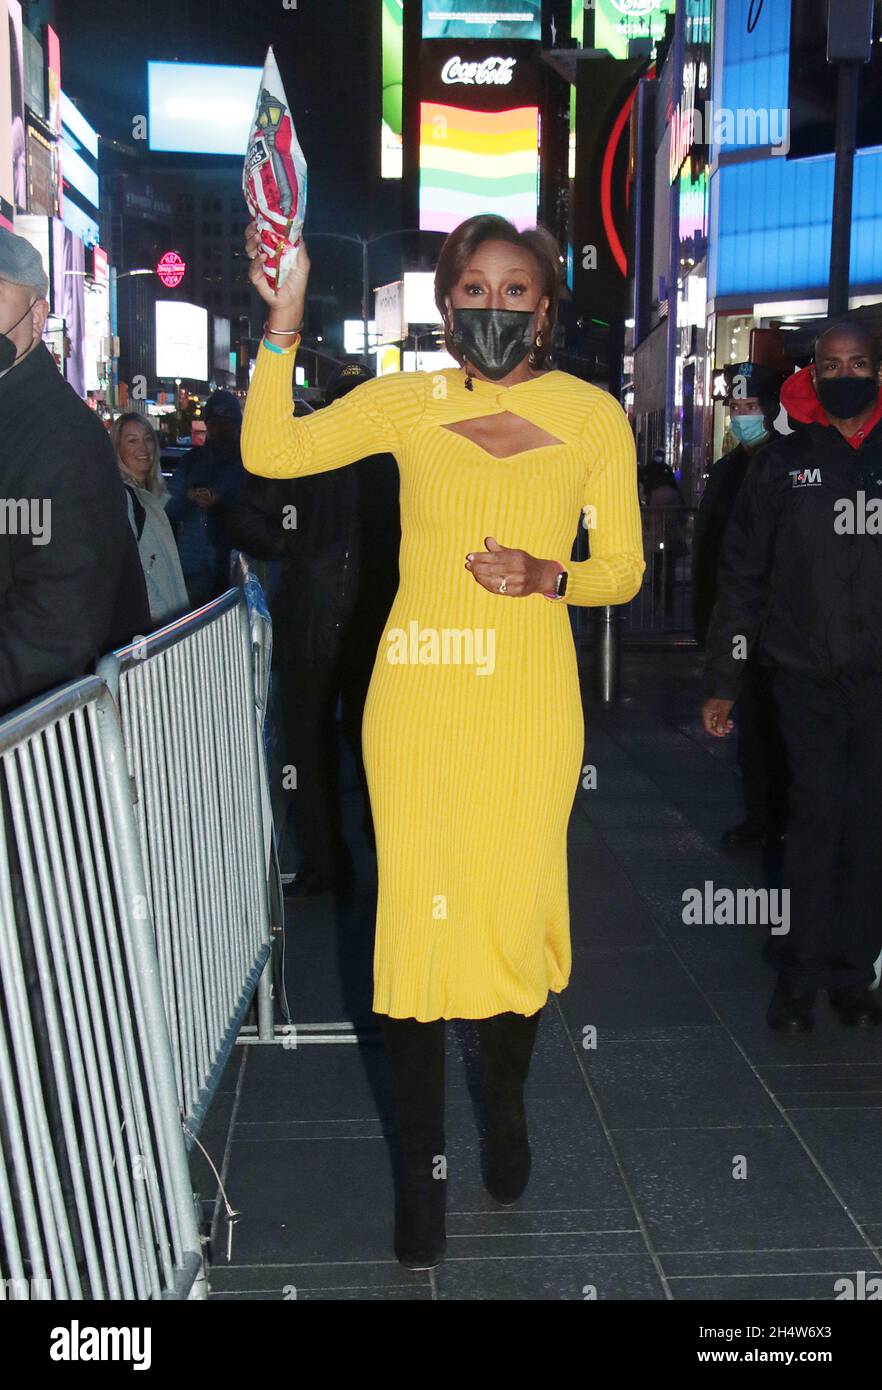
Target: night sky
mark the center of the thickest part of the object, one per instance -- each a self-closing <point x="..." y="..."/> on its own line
<point x="329" y="57"/>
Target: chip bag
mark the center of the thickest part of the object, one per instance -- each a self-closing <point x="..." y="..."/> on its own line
<point x="274" y="176"/>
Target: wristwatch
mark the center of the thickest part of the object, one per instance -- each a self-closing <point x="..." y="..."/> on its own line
<point x="560" y="584"/>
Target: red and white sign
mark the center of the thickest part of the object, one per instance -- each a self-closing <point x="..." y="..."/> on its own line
<point x="493" y="71"/>
<point x="171" y="269"/>
<point x="99" y="265"/>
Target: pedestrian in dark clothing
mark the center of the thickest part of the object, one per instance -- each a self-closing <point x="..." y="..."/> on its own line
<point x="753" y="402"/>
<point x="665" y="522"/>
<point x="337" y="535"/>
<point x="801" y="581"/>
<point x="71" y="585"/>
<point x="207" y="485"/>
<point x="71" y="589"/>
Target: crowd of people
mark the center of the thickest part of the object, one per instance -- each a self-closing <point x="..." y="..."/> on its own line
<point x="468" y="784"/>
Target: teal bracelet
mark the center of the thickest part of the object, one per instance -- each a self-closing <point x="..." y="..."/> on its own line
<point x="271" y="347"/>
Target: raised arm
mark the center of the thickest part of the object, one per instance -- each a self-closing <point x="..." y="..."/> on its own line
<point x="372" y="419"/>
<point x="611" y="512"/>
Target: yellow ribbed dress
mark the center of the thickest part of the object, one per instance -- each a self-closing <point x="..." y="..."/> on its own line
<point x="473" y="732"/>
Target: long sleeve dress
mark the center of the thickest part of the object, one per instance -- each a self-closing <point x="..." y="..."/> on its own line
<point x="473" y="732"/>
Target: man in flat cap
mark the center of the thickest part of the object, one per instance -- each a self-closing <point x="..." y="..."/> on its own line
<point x="71" y="584"/>
<point x="71" y="589"/>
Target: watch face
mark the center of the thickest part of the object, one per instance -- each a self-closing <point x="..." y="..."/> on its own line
<point x="562" y="583"/>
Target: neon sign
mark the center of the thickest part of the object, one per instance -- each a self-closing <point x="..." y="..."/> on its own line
<point x="171" y="269"/>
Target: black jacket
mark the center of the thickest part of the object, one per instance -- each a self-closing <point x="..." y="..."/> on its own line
<point x="800" y="589"/>
<point x="68" y="601"/>
<point x="337" y="535"/>
<point x="714" y="510"/>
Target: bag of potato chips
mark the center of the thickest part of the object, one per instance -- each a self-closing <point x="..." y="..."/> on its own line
<point x="274" y="176"/>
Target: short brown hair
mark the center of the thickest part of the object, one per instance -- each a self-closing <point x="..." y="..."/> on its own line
<point x="465" y="239"/>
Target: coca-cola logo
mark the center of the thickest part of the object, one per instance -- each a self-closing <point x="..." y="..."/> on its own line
<point x="496" y="71"/>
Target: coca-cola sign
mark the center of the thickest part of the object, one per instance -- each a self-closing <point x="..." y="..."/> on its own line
<point x="490" y="72"/>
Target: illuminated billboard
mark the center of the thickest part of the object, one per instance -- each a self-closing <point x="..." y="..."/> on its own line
<point x="7" y="189"/>
<point x="477" y="161"/>
<point x="616" y="22"/>
<point x="69" y="299"/>
<point x="200" y="108"/>
<point x="181" y="340"/>
<point x="482" y="19"/>
<point x="19" y="147"/>
<point x="479" y="134"/>
<point x="42" y="193"/>
<point x="393" y="79"/>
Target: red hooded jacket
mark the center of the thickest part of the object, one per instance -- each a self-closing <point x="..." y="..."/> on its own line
<point x="800" y="399"/>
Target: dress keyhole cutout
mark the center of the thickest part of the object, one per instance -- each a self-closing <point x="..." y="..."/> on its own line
<point x="504" y="435"/>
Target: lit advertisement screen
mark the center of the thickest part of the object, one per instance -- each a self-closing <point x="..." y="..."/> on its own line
<point x="393" y="88"/>
<point x="200" y="108"/>
<point x="69" y="293"/>
<point x="485" y="161"/>
<point x="616" y="22"/>
<point x="479" y="134"/>
<point x="181" y="340"/>
<point x="482" y="19"/>
<point x="7" y="185"/>
<point x="220" y="343"/>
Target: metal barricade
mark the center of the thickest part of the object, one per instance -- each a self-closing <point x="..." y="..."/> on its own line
<point x="95" y="1196"/>
<point x="192" y="733"/>
<point x="662" y="610"/>
<point x="271" y="982"/>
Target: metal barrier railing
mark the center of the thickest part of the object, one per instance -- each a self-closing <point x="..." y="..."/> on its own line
<point x="187" y="700"/>
<point x="271" y="982"/>
<point x="95" y="1196"/>
<point x="663" y="607"/>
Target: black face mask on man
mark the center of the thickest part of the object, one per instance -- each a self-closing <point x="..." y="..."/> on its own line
<point x="8" y="354"/>
<point x="494" y="340"/>
<point x="844" y="397"/>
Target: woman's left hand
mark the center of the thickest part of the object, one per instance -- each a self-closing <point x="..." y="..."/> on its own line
<point x="523" y="573"/>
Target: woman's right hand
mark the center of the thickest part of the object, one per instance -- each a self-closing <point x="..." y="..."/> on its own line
<point x="286" y="304"/>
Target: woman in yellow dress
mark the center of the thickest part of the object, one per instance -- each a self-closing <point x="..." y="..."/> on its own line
<point x="473" y="731"/>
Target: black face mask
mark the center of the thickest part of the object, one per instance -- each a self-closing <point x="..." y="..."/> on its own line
<point x="494" y="340"/>
<point x="844" y="397"/>
<point x="8" y="354"/>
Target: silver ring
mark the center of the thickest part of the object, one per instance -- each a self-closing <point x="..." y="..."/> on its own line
<point x="503" y="586"/>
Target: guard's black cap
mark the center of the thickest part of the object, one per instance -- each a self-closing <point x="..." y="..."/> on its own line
<point x="757" y="379"/>
<point x="345" y="378"/>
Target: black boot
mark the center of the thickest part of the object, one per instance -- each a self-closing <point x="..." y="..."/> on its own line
<point x="857" y="1006"/>
<point x="791" y="1012"/>
<point x="415" y="1056"/>
<point x="506" y="1046"/>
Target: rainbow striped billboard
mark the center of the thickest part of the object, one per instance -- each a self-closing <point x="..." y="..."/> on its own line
<point x="477" y="161"/>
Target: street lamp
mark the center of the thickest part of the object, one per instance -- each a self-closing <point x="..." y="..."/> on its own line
<point x="849" y="46"/>
<point x="114" y="277"/>
<point x="365" y="242"/>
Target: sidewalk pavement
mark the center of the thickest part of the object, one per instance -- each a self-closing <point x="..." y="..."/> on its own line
<point x="689" y="1154"/>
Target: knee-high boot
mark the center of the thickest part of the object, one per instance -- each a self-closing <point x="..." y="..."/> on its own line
<point x="415" y="1056"/>
<point x="506" y="1046"/>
